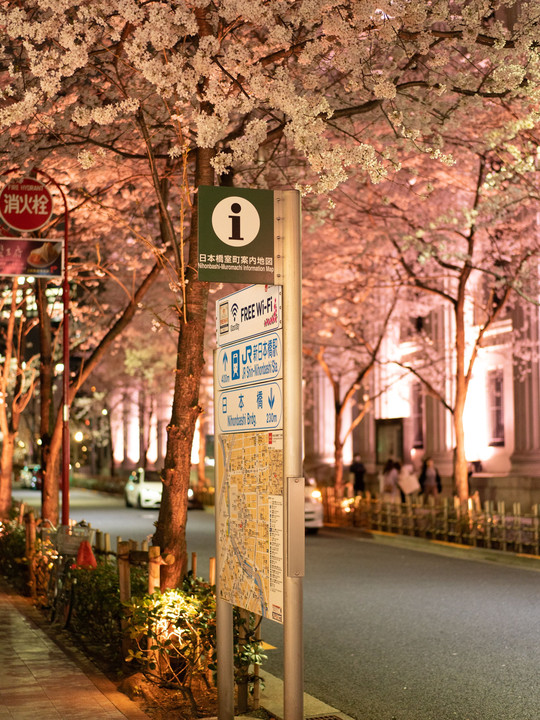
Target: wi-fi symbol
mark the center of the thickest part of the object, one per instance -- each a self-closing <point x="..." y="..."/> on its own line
<point x="234" y="310"/>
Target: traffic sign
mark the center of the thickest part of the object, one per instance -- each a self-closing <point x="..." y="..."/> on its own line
<point x="250" y="361"/>
<point x="25" y="205"/>
<point x="255" y="407"/>
<point x="236" y="235"/>
<point x="248" y="312"/>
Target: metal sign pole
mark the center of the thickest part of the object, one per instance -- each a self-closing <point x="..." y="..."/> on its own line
<point x="224" y="611"/>
<point x="288" y="215"/>
<point x="65" y="408"/>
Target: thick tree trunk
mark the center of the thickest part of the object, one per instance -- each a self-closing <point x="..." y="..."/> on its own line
<point x="6" y="459"/>
<point x="50" y="489"/>
<point x="170" y="533"/>
<point x="6" y="471"/>
<point x="46" y="400"/>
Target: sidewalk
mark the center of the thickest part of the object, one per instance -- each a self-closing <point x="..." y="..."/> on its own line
<point x="40" y="678"/>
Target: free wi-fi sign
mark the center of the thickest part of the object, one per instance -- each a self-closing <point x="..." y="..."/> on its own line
<point x="236" y="235"/>
<point x="248" y="312"/>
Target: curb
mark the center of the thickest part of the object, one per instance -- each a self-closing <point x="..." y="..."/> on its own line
<point x="440" y="547"/>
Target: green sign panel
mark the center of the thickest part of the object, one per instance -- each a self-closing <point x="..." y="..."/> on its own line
<point x="236" y="235"/>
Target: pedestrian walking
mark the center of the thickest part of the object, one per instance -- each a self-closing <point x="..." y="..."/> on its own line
<point x="408" y="482"/>
<point x="389" y="482"/>
<point x="430" y="480"/>
<point x="358" y="470"/>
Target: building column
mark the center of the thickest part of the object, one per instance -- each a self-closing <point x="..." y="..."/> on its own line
<point x="439" y="433"/>
<point x="435" y="437"/>
<point x="526" y="457"/>
<point x="364" y="440"/>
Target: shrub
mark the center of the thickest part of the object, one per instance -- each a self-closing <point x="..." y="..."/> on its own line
<point x="174" y="635"/>
<point x="13" y="563"/>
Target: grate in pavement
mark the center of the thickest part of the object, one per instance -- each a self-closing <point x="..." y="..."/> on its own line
<point x="324" y="717"/>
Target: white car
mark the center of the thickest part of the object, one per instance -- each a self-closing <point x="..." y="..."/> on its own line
<point x="313" y="507"/>
<point x="143" y="489"/>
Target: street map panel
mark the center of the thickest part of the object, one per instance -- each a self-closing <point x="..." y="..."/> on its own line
<point x="250" y="521"/>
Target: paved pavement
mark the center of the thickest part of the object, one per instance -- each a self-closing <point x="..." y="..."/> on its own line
<point x="40" y="678"/>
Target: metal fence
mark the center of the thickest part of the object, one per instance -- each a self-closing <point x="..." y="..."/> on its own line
<point x="489" y="526"/>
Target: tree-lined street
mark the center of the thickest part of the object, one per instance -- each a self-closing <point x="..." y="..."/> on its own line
<point x="410" y="129"/>
<point x="390" y="632"/>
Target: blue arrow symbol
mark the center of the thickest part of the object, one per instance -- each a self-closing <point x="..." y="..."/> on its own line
<point x="271" y="399"/>
<point x="225" y="361"/>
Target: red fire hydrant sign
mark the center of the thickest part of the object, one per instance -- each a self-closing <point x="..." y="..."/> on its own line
<point x="25" y="204"/>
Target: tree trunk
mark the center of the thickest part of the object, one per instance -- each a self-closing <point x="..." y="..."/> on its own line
<point x="6" y="459"/>
<point x="45" y="381"/>
<point x="6" y="472"/>
<point x="338" y="442"/>
<point x="50" y="489"/>
<point x="170" y="533"/>
<point x="338" y="455"/>
<point x="460" y="461"/>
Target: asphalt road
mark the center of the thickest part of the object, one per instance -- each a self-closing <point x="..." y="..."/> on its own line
<point x="109" y="514"/>
<point x="396" y="634"/>
<point x="392" y="633"/>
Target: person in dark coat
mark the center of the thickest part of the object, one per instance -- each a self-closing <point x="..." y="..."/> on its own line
<point x="430" y="480"/>
<point x="358" y="470"/>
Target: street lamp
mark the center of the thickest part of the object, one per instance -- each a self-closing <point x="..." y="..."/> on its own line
<point x="78" y="437"/>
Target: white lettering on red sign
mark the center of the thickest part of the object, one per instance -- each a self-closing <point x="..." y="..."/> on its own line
<point x="25" y="205"/>
<point x="34" y="204"/>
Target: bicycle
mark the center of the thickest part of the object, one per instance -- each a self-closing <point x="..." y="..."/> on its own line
<point x="62" y="579"/>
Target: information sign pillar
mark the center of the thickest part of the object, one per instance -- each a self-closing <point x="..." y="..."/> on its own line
<point x="258" y="411"/>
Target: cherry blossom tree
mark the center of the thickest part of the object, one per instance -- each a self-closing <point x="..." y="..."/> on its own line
<point x="348" y="307"/>
<point x="465" y="236"/>
<point x="265" y="93"/>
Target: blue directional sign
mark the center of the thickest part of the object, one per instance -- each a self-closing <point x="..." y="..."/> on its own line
<point x="252" y="407"/>
<point x="251" y="361"/>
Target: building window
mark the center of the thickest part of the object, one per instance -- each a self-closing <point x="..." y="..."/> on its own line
<point x="417" y="415"/>
<point x="495" y="407"/>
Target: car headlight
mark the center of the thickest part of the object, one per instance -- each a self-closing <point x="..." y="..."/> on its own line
<point x="314" y="496"/>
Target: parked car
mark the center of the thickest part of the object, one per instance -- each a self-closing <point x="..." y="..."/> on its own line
<point x="144" y="489"/>
<point x="313" y="507"/>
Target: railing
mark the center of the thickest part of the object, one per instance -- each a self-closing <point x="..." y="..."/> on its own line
<point x="491" y="526"/>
